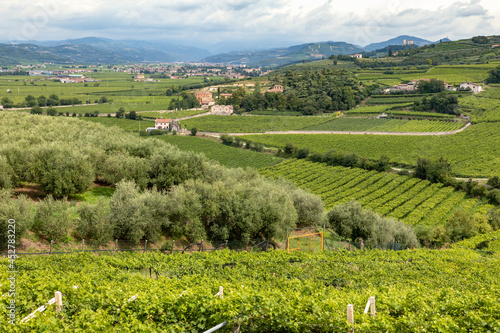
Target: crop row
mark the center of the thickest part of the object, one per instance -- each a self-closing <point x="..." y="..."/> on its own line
<point x="416" y="291"/>
<point x="474" y="152"/>
<point x="411" y="200"/>
<point x="225" y="155"/>
<point x="386" y="125"/>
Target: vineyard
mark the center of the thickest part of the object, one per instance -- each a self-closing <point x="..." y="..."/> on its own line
<point x="421" y="290"/>
<point x="474" y="152"/>
<point x="386" y="125"/>
<point x="252" y="124"/>
<point x="379" y="109"/>
<point x="483" y="108"/>
<point x="411" y="200"/>
<point x="225" y="155"/>
<point x="171" y="114"/>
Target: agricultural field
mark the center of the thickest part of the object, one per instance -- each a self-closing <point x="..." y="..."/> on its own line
<point x="415" y="291"/>
<point x="252" y="124"/>
<point x="228" y="156"/>
<point x="484" y="107"/>
<point x="411" y="200"/>
<point x="452" y="74"/>
<point x="378" y="109"/>
<point x="171" y="114"/>
<point x="125" y="124"/>
<point x="386" y="125"/>
<point x="120" y="89"/>
<point x="474" y="152"/>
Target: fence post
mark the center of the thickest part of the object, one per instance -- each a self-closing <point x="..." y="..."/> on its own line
<point x="310" y="243"/>
<point x="50" y="251"/>
<point x="83" y="245"/>
<point x="116" y="246"/>
<point x="58" y="298"/>
<point x="201" y="246"/>
<point x="287" y="243"/>
<point x="145" y="245"/>
<point x="350" y="315"/>
<point x="323" y="239"/>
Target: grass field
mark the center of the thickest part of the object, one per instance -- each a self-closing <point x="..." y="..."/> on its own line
<point x="386" y="125"/>
<point x="120" y="88"/>
<point x="125" y="124"/>
<point x="225" y="155"/>
<point x="252" y="124"/>
<point x="474" y="152"/>
<point x="411" y="200"/>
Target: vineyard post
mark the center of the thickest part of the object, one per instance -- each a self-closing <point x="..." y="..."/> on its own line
<point x="350" y="315"/>
<point x="287" y="243"/>
<point x="58" y="298"/>
<point x="201" y="246"/>
<point x="372" y="306"/>
<point x="116" y="245"/>
<point x="83" y="245"/>
<point x="323" y="239"/>
<point x="50" y="250"/>
<point x="145" y="245"/>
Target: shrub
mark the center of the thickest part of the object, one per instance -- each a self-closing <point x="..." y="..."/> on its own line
<point x="349" y="220"/>
<point x="19" y="210"/>
<point x="135" y="215"/>
<point x="64" y="171"/>
<point x="52" y="219"/>
<point x="7" y="176"/>
<point x="93" y="223"/>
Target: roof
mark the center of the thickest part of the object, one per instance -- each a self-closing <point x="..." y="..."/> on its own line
<point x="163" y="120"/>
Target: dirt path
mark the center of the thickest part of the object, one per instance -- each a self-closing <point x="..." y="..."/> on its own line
<point x="347" y="132"/>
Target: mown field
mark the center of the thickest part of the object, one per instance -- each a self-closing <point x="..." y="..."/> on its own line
<point x="474" y="152"/>
<point x="252" y="124"/>
<point x="454" y="290"/>
<point x="225" y="155"/>
<point x="386" y="125"/>
<point x="411" y="200"/>
<point x="125" y="124"/>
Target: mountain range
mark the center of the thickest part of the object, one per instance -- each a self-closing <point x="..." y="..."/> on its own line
<point x="109" y="51"/>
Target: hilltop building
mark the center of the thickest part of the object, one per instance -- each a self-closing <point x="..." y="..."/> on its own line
<point x="357" y="56"/>
<point x="275" y="89"/>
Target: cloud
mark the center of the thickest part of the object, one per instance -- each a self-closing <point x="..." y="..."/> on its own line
<point x="197" y="21"/>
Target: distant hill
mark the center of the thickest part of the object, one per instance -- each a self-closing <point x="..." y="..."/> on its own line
<point x="399" y="41"/>
<point x="99" y="50"/>
<point x="283" y="56"/>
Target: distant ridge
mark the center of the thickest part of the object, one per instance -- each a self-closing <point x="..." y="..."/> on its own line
<point x="399" y="41"/>
<point x="287" y="55"/>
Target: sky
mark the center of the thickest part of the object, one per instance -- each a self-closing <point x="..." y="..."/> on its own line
<point x="255" y="23"/>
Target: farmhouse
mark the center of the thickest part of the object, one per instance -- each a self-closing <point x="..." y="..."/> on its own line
<point x="275" y="89"/>
<point x="476" y="88"/>
<point x="222" y="110"/>
<point x="226" y="95"/>
<point x="357" y="56"/>
<point x="205" y="99"/>
<point x="139" y="77"/>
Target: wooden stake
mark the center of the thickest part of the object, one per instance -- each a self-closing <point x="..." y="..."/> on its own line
<point x="50" y="251"/>
<point x="83" y="245"/>
<point x="58" y="297"/>
<point x="145" y="245"/>
<point x="350" y="314"/>
<point x="372" y="306"/>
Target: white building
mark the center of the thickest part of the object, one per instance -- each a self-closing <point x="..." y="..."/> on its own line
<point x="222" y="110"/>
<point x="476" y="88"/>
